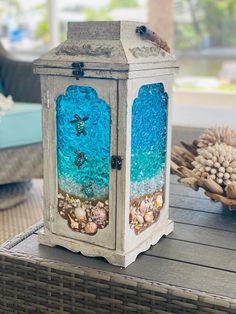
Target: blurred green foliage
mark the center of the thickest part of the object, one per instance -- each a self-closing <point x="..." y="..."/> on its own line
<point x="102" y="14"/>
<point x="212" y="24"/>
<point x="42" y="30"/>
<point x="123" y="4"/>
<point x="220" y="21"/>
<point x="185" y="36"/>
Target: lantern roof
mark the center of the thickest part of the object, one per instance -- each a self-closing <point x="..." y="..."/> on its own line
<point x="105" y="46"/>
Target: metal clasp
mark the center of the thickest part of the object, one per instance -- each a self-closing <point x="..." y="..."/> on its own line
<point x="116" y="162"/>
<point x="77" y="71"/>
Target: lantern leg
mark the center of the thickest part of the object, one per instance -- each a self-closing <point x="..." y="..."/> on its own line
<point x="114" y="257"/>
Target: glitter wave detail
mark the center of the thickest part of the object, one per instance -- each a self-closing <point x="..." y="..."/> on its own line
<point x="83" y="143"/>
<point x="149" y="132"/>
<point x="148" y="156"/>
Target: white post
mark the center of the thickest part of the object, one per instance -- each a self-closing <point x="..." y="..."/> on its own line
<point x="53" y="24"/>
<point x="160" y="16"/>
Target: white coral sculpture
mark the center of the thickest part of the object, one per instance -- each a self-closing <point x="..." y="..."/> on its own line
<point x="219" y="161"/>
<point x="209" y="163"/>
<point x="217" y="135"/>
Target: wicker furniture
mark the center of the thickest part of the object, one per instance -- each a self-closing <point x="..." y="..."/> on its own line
<point x="25" y="162"/>
<point x="191" y="271"/>
<point x="20" y="163"/>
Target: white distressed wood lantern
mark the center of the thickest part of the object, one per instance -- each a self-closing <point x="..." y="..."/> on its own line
<point x="106" y="96"/>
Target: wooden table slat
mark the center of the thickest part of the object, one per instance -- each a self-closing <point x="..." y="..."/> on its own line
<point x="200" y="204"/>
<point x="197" y="254"/>
<point x="179" y="189"/>
<point x="204" y="235"/>
<point x="209" y="220"/>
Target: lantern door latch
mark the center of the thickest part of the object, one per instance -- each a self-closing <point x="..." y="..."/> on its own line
<point x="77" y="71"/>
<point x="116" y="162"/>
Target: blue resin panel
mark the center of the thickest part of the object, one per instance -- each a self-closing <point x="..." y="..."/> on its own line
<point x="83" y="158"/>
<point x="148" y="155"/>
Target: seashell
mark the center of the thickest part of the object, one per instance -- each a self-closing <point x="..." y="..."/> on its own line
<point x="132" y="216"/>
<point x="73" y="224"/>
<point x="100" y="204"/>
<point x="149" y="217"/>
<point x="90" y="228"/>
<point x="80" y="213"/>
<point x="60" y="196"/>
<point x="140" y="219"/>
<point x="67" y="205"/>
<point x="143" y="208"/>
<point x="159" y="201"/>
<point x="99" y="216"/>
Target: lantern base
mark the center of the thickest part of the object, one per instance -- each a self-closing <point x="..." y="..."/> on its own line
<point x="112" y="256"/>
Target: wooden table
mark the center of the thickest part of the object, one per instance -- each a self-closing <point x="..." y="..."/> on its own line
<point x="193" y="270"/>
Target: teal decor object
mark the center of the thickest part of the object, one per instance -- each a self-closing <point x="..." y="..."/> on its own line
<point x="83" y="153"/>
<point x="148" y="155"/>
<point x="21" y="125"/>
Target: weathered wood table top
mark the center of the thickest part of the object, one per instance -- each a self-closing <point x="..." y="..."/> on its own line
<point x="199" y="255"/>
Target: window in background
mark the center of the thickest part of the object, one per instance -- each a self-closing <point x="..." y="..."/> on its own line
<point x="205" y="43"/>
<point x="29" y="28"/>
<point x="22" y="25"/>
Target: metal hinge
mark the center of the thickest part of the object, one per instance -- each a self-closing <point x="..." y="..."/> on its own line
<point x="116" y="162"/>
<point x="77" y="71"/>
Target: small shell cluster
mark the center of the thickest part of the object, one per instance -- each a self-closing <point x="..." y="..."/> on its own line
<point x="145" y="210"/>
<point x="83" y="216"/>
<point x="217" y="135"/>
<point x="219" y="161"/>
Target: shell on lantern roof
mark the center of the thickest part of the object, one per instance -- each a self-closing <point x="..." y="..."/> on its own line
<point x="106" y="50"/>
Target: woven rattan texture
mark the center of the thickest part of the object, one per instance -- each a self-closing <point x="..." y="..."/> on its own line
<point x="21" y="163"/>
<point x="13" y="194"/>
<point x="17" y="219"/>
<point x="68" y="289"/>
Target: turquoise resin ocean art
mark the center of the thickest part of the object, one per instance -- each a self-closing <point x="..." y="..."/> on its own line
<point x="148" y="155"/>
<point x="83" y="158"/>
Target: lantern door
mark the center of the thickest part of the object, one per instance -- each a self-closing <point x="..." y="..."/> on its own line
<point x="83" y="115"/>
<point x="149" y="138"/>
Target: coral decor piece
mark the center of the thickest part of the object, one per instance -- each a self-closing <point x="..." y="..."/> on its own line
<point x="211" y="167"/>
<point x="217" y="135"/>
<point x="219" y="161"/>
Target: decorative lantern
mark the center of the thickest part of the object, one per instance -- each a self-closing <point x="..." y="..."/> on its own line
<point x="106" y="95"/>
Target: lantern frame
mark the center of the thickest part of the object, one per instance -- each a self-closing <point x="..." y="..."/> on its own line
<point x="118" y="84"/>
